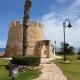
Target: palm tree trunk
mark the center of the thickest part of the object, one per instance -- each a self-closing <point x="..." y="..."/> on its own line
<point x="27" y="7"/>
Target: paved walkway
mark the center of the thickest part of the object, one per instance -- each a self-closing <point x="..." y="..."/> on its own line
<point x="50" y="71"/>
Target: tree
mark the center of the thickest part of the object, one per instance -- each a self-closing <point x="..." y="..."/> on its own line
<point x="78" y="52"/>
<point x="68" y="49"/>
<point x="71" y="49"/>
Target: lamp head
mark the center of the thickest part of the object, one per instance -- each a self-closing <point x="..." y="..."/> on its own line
<point x="69" y="25"/>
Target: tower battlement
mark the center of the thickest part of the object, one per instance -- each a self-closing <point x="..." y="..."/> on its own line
<point x="34" y="23"/>
<point x="15" y="24"/>
<point x="30" y="24"/>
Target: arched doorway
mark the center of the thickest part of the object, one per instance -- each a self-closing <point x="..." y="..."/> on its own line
<point x="43" y="51"/>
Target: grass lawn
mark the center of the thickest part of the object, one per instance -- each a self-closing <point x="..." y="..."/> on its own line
<point x="28" y="75"/>
<point x="72" y="70"/>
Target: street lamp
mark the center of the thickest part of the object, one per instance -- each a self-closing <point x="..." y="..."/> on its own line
<point x="64" y="27"/>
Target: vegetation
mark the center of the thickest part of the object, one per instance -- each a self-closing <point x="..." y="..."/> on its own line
<point x="26" y="60"/>
<point x="3" y="70"/>
<point x="72" y="70"/>
<point x="68" y="49"/>
<point x="28" y="75"/>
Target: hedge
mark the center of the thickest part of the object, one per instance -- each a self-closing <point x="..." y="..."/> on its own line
<point x="26" y="60"/>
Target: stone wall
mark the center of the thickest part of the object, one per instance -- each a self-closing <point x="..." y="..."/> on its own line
<point x="14" y="43"/>
<point x="35" y="33"/>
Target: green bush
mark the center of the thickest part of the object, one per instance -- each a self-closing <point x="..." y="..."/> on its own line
<point x="26" y="60"/>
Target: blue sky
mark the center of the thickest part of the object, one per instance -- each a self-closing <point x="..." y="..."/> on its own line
<point x="51" y="13"/>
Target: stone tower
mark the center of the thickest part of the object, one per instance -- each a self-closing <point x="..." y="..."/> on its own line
<point x="37" y="45"/>
<point x="14" y="42"/>
<point x="15" y="38"/>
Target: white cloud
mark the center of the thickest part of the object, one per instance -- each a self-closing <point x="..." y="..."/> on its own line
<point x="49" y="16"/>
<point x="51" y="27"/>
<point x="54" y="27"/>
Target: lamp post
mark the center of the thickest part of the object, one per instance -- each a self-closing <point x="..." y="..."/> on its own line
<point x="64" y="27"/>
<point x="55" y="47"/>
